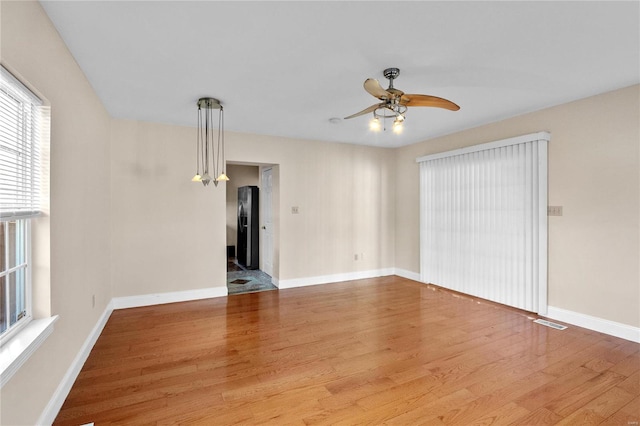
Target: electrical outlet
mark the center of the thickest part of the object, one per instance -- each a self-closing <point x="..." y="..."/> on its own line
<point x="294" y="210"/>
<point x="554" y="211"/>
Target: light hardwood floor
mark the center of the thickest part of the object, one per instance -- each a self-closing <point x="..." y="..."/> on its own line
<point x="376" y="351"/>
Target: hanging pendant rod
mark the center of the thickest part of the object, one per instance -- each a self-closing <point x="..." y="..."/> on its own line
<point x="209" y="143"/>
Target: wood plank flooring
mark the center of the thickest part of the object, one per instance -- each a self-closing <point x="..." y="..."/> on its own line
<point x="378" y="351"/>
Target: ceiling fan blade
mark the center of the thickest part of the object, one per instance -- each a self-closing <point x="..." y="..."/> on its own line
<point x="428" y="101"/>
<point x="364" y="111"/>
<point x="372" y="86"/>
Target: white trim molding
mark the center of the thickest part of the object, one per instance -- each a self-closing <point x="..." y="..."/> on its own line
<point x="601" y="325"/>
<point x="62" y="391"/>
<point x="17" y="351"/>
<point x="170" y="297"/>
<point x="57" y="399"/>
<point x="410" y="275"/>
<point x="539" y="136"/>
<point x="334" y="278"/>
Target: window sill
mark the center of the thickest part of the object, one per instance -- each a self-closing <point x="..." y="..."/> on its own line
<point x="17" y="351"/>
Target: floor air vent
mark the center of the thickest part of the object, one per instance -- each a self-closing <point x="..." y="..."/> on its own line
<point x="550" y="324"/>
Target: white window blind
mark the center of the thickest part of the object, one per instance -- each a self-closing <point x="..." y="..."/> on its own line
<point x="20" y="163"/>
<point x="483" y="221"/>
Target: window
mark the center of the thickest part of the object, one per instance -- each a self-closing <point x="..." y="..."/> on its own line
<point x="20" y="176"/>
<point x="483" y="221"/>
<point x="13" y="273"/>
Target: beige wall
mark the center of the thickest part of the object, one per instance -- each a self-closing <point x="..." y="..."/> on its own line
<point x="345" y="198"/>
<point x="168" y="233"/>
<point x="593" y="173"/>
<point x="79" y="212"/>
<point x="242" y="176"/>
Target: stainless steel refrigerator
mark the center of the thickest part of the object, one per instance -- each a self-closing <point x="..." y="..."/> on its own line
<point x="248" y="227"/>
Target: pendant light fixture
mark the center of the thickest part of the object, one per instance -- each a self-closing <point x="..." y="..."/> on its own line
<point x="210" y="143"/>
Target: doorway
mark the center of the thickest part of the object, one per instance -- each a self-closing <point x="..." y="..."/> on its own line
<point x="249" y="276"/>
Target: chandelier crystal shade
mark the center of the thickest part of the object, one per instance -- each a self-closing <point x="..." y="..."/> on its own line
<point x="210" y="143"/>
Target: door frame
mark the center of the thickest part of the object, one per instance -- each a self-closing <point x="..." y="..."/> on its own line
<point x="275" y="210"/>
<point x="267" y="229"/>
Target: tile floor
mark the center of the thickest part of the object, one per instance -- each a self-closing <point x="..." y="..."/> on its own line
<point x="241" y="280"/>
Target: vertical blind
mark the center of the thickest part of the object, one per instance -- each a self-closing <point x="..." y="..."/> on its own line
<point x="20" y="163"/>
<point x="483" y="221"/>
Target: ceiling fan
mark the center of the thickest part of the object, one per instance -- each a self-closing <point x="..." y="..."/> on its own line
<point x="395" y="102"/>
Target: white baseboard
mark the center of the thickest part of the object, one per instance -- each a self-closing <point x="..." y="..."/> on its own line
<point x="601" y="325"/>
<point x="53" y="407"/>
<point x="171" y="297"/>
<point x="415" y="276"/>
<point x="55" y="403"/>
<point x="334" y="278"/>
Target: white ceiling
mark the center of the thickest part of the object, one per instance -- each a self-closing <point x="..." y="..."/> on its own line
<point x="286" y="68"/>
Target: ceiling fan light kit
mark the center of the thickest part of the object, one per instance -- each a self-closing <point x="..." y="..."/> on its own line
<point x="210" y="143"/>
<point x="374" y="124"/>
<point x="397" y="126"/>
<point x="395" y="102"/>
